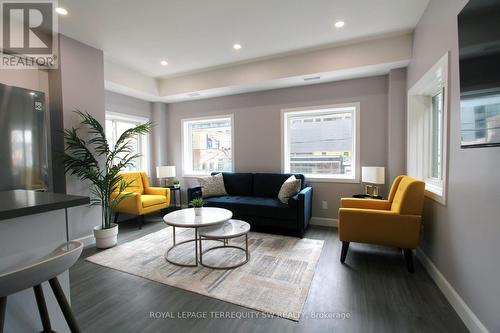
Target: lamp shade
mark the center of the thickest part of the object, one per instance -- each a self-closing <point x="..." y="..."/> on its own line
<point x="373" y="175"/>
<point x="165" y="171"/>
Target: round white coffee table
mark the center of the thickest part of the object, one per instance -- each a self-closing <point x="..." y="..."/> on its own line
<point x="225" y="231"/>
<point x="186" y="218"/>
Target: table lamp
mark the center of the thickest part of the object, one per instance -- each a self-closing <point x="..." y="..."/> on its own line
<point x="373" y="175"/>
<point x="165" y="172"/>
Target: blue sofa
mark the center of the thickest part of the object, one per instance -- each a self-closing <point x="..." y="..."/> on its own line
<point x="253" y="197"/>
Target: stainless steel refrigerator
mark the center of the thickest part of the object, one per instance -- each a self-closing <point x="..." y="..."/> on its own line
<point x="24" y="162"/>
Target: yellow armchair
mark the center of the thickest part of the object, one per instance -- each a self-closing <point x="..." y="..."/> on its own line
<point x="392" y="222"/>
<point x="142" y="198"/>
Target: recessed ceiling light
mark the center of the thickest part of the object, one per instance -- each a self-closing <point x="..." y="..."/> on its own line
<point x="237" y="46"/>
<point x="339" y="24"/>
<point x="33" y="93"/>
<point x="61" y="11"/>
<point x="164" y="63"/>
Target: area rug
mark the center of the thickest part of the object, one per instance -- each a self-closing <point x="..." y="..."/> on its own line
<point x="276" y="279"/>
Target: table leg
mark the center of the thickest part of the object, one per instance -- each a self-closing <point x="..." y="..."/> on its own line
<point x="196" y="240"/>
<point x="246" y="245"/>
<point x="173" y="233"/>
<point x="201" y="253"/>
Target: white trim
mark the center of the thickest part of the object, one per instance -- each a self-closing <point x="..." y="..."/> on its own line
<point x="111" y="115"/>
<point x="324" y="221"/>
<point x="417" y="136"/>
<point x="468" y="317"/>
<point x="315" y="179"/>
<point x="183" y="143"/>
<point x="86" y="240"/>
<point x="356" y="147"/>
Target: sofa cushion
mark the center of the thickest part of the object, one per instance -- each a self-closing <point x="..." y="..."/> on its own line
<point x="289" y="188"/>
<point x="238" y="183"/>
<point x="254" y="206"/>
<point x="149" y="200"/>
<point x="212" y="186"/>
<point x="269" y="184"/>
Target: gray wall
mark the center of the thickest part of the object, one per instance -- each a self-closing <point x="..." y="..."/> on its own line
<point x="80" y="79"/>
<point x="396" y="125"/>
<point x="257" y="145"/>
<point x="159" y="141"/>
<point x="128" y="105"/>
<point x="462" y="237"/>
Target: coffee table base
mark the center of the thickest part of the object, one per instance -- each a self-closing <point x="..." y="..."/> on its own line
<point x="225" y="246"/>
<point x="175" y="245"/>
<point x="197" y="243"/>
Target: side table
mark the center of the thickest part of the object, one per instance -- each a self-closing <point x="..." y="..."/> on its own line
<point x="175" y="189"/>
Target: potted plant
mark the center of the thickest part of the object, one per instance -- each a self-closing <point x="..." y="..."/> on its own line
<point x="197" y="204"/>
<point x="91" y="158"/>
<point x="176" y="183"/>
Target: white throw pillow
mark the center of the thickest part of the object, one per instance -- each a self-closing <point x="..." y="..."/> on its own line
<point x="290" y="187"/>
<point x="212" y="186"/>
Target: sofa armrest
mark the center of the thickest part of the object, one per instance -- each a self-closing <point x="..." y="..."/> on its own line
<point x="194" y="192"/>
<point x="303" y="201"/>
<point x="379" y="227"/>
<point x="157" y="191"/>
<point x="365" y="203"/>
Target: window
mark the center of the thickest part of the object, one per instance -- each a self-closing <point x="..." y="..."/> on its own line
<point x="427" y="130"/>
<point x="207" y="145"/>
<point x="116" y="124"/>
<point x="322" y="142"/>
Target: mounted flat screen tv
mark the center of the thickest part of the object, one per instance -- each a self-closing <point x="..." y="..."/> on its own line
<point x="479" y="49"/>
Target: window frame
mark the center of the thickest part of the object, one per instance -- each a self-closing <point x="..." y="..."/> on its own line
<point x="184" y="137"/>
<point x="419" y="127"/>
<point x="429" y="176"/>
<point x="144" y="142"/>
<point x="285" y="163"/>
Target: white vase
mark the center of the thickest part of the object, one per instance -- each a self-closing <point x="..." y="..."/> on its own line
<point x="106" y="238"/>
<point x="197" y="211"/>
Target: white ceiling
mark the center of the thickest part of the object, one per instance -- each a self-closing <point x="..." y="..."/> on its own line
<point x="199" y="34"/>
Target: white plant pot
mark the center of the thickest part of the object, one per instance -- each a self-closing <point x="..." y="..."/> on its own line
<point x="197" y="211"/>
<point x="106" y="238"/>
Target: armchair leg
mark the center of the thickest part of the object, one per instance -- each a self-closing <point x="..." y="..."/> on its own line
<point x="409" y="259"/>
<point x="116" y="217"/>
<point x="343" y="254"/>
<point x="140" y="220"/>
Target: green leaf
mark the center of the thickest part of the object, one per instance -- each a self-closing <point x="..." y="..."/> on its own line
<point x="81" y="159"/>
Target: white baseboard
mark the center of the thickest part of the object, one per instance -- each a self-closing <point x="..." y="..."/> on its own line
<point x="468" y="317"/>
<point x="86" y="240"/>
<point x="324" y="221"/>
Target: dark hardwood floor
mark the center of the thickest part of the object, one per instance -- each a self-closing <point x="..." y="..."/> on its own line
<point x="373" y="288"/>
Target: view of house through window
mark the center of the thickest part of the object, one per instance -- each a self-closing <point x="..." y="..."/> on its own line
<point x="321" y="143"/>
<point x="116" y="124"/>
<point x="207" y="145"/>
